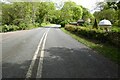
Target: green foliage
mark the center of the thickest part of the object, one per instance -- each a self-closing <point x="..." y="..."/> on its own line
<point x="63" y="23"/>
<point x="0" y="13"/>
<point x="108" y="51"/>
<point x="71" y="11"/>
<point x="106" y="37"/>
<point x="14" y="13"/>
<point x="44" y="12"/>
<point x="22" y="26"/>
<point x="87" y="15"/>
<point x="7" y="28"/>
<point x="77" y="12"/>
<point x="108" y="14"/>
<point x="25" y="15"/>
<point x="71" y="28"/>
<point x="110" y="11"/>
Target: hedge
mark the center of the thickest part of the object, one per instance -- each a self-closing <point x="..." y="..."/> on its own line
<point x="112" y="37"/>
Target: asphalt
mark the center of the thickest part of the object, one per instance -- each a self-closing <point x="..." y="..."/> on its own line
<point x="64" y="57"/>
<point x="18" y="50"/>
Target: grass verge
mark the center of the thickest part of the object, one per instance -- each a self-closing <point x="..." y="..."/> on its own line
<point x="108" y="51"/>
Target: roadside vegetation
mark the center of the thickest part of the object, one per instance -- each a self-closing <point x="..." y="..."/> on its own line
<point x="95" y="37"/>
<point x="28" y="15"/>
<point x="25" y="15"/>
<point x="105" y="49"/>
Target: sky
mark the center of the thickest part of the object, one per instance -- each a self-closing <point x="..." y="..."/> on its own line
<point x="90" y="4"/>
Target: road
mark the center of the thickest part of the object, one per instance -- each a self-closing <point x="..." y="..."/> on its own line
<point x="50" y="53"/>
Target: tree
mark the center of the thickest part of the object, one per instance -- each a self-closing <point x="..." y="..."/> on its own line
<point x="71" y="11"/>
<point x="16" y="13"/>
<point x="77" y="12"/>
<point x="110" y="11"/>
<point x="0" y="13"/>
<point x="105" y="14"/>
<point x="95" y="24"/>
<point x="67" y="12"/>
<point x="44" y="11"/>
<point x="87" y="15"/>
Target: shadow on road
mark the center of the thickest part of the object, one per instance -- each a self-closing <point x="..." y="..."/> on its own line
<point x="61" y="62"/>
<point x="15" y="70"/>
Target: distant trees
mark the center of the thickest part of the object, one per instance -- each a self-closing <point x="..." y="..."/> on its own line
<point x="44" y="11"/>
<point x="25" y="13"/>
<point x="71" y="12"/>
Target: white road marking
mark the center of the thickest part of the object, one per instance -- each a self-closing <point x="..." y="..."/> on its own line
<point x="29" y="73"/>
<point x="40" y="65"/>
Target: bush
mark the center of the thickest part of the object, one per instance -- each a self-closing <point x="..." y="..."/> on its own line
<point x="71" y="28"/>
<point x="115" y="29"/>
<point x="22" y="26"/>
<point x="94" y="34"/>
<point x="63" y="23"/>
<point x="114" y="38"/>
<point x="6" y="28"/>
<point x="36" y="24"/>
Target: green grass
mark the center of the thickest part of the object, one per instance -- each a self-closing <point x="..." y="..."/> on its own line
<point x="114" y="28"/>
<point x="106" y="50"/>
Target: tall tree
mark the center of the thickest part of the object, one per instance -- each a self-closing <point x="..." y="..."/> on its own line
<point x="16" y="12"/>
<point x="71" y="11"/>
<point x="43" y="12"/>
<point x="77" y="12"/>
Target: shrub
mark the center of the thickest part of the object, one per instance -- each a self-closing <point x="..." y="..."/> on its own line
<point x="22" y="26"/>
<point x="63" y="23"/>
<point x="30" y="26"/>
<point x="96" y="34"/>
<point x="71" y="28"/>
<point x="6" y="28"/>
<point x="36" y="24"/>
<point x="114" y="38"/>
<point x="115" y="29"/>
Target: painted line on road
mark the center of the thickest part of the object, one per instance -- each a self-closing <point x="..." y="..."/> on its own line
<point x="29" y="73"/>
<point x="40" y="65"/>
